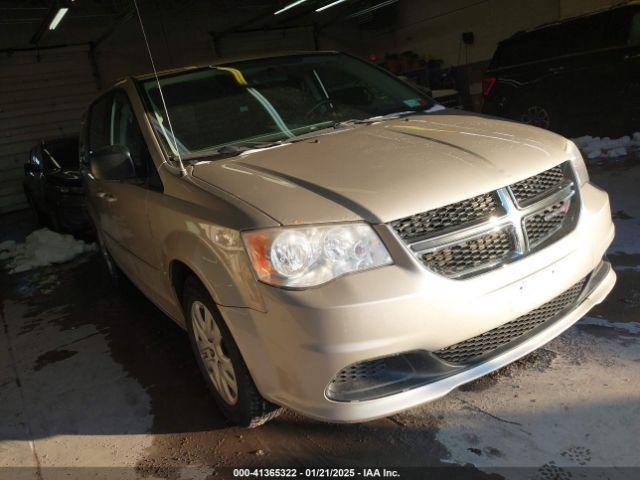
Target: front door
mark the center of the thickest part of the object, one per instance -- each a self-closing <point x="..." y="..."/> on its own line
<point x="121" y="205"/>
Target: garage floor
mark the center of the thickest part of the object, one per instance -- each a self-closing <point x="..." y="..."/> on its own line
<point x="92" y="376"/>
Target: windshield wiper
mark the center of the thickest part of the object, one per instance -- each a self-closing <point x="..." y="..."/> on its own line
<point x="353" y="121"/>
<point x="234" y="150"/>
<point x="230" y="150"/>
<point x="377" y="118"/>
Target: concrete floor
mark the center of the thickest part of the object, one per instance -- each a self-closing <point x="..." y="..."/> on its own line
<point x="91" y="376"/>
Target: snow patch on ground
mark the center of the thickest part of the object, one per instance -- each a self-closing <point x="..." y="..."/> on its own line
<point x="604" y="147"/>
<point x="42" y="248"/>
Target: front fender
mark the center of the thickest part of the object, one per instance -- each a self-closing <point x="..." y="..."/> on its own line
<point x="217" y="256"/>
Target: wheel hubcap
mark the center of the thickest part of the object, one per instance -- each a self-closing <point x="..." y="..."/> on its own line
<point x="537" y="116"/>
<point x="213" y="353"/>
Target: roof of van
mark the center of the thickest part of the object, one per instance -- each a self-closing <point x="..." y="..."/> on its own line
<point x="568" y="19"/>
<point x="231" y="60"/>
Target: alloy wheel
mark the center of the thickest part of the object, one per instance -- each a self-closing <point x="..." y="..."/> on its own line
<point x="213" y="353"/>
<point x="537" y="116"/>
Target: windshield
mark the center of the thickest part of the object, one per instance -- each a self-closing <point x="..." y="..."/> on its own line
<point x="271" y="100"/>
<point x="61" y="154"/>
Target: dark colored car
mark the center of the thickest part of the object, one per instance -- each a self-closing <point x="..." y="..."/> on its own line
<point x="53" y="185"/>
<point x="580" y="75"/>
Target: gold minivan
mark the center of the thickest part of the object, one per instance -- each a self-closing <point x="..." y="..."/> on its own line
<point x="334" y="241"/>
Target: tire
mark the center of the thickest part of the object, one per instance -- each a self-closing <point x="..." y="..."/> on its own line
<point x="220" y="361"/>
<point x="539" y="114"/>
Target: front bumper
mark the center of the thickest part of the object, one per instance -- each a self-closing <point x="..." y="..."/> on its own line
<point x="305" y="338"/>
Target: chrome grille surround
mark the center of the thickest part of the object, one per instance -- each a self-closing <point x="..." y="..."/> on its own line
<point x="472" y="348"/>
<point x="479" y="234"/>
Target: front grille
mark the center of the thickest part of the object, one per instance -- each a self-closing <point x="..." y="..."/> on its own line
<point x="471" y="349"/>
<point x="376" y="378"/>
<point x="483" y="232"/>
<point x="359" y="372"/>
<point x="537" y="185"/>
<point x="469" y="256"/>
<point x="455" y="215"/>
<point x="542" y="225"/>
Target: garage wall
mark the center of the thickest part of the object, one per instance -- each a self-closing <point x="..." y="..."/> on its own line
<point x="42" y="95"/>
<point x="261" y="41"/>
<point x="434" y="28"/>
<point x="186" y="36"/>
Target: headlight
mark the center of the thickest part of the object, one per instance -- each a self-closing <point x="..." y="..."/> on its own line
<point x="578" y="162"/>
<point x="301" y="257"/>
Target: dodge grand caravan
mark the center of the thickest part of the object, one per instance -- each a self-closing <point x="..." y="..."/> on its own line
<point x="332" y="241"/>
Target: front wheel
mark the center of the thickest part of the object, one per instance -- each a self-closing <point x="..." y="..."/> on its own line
<point x="536" y="115"/>
<point x="220" y="361"/>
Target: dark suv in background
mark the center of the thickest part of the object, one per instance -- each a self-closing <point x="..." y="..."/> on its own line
<point x="53" y="185"/>
<point x="581" y="75"/>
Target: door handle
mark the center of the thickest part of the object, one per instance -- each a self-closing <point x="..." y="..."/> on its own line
<point x="106" y="196"/>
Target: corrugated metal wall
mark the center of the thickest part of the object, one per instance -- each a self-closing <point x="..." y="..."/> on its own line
<point x="266" y="41"/>
<point x="42" y="95"/>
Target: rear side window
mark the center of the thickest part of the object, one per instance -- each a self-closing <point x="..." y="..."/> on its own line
<point x="98" y="123"/>
<point x="595" y="32"/>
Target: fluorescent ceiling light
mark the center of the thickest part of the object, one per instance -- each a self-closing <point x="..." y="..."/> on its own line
<point x="291" y="5"/>
<point x="371" y="9"/>
<point x="330" y="5"/>
<point x="58" y="18"/>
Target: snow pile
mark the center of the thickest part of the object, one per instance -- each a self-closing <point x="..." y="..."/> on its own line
<point x="41" y="248"/>
<point x="597" y="147"/>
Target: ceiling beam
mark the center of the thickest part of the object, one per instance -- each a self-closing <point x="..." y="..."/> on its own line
<point x="120" y="19"/>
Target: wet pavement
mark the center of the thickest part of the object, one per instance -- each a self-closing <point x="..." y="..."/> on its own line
<point x="94" y="376"/>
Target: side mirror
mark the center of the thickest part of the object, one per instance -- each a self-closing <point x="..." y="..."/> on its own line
<point x="112" y="163"/>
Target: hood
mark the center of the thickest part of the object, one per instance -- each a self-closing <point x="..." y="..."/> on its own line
<point x="385" y="171"/>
